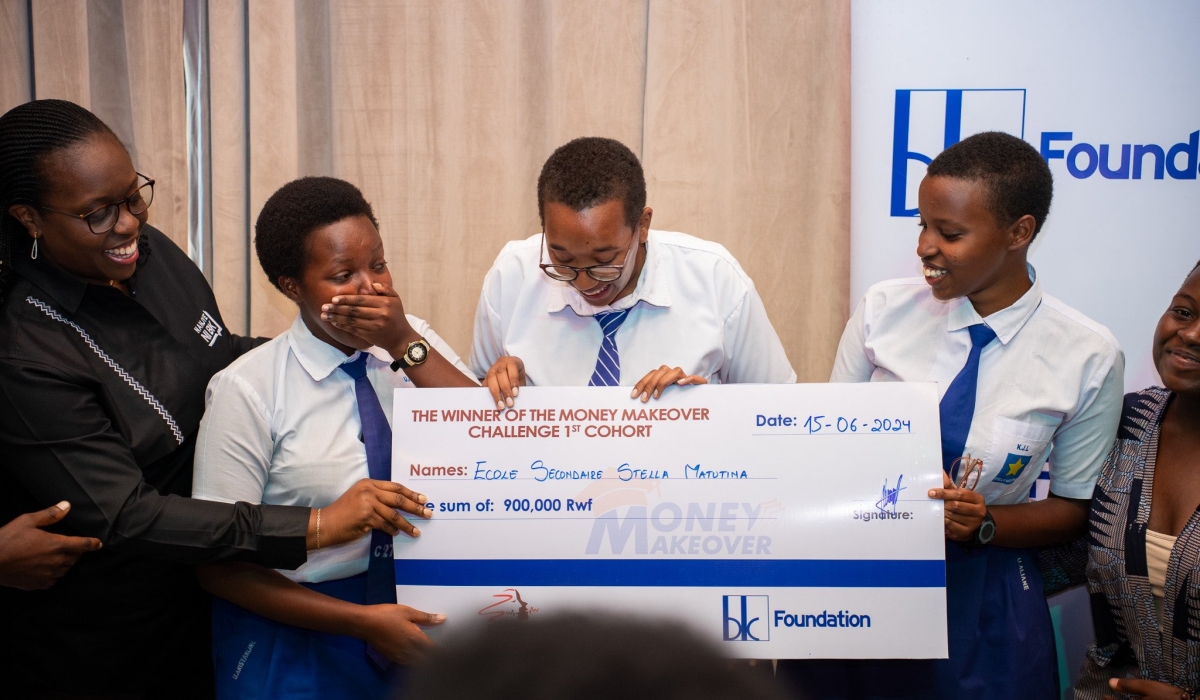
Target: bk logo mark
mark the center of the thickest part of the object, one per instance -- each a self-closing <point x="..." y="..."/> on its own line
<point x="930" y="121"/>
<point x="746" y="618"/>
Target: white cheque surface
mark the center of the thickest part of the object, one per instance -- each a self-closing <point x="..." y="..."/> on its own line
<point x="783" y="521"/>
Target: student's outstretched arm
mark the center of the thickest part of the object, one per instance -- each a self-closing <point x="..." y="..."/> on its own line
<point x="394" y="630"/>
<point x="1036" y="524"/>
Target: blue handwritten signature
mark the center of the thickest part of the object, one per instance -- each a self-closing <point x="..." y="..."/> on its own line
<point x="890" y="497"/>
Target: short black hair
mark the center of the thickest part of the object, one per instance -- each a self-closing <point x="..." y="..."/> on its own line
<point x="590" y="171"/>
<point x="581" y="656"/>
<point x="1017" y="178"/>
<point x="295" y="211"/>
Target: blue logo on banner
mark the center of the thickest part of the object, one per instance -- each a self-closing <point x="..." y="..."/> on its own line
<point x="1011" y="470"/>
<point x="926" y="122"/>
<point x="1084" y="160"/>
<point x="934" y="120"/>
<point x="746" y="618"/>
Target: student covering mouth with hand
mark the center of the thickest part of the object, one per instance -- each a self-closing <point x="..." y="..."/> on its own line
<point x="299" y="420"/>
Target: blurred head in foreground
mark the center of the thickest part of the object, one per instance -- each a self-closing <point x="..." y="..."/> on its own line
<point x="580" y="657"/>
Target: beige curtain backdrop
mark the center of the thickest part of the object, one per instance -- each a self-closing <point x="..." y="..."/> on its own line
<point x="121" y="59"/>
<point x="444" y="112"/>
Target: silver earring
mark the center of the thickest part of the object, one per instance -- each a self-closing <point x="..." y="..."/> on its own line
<point x="33" y="253"/>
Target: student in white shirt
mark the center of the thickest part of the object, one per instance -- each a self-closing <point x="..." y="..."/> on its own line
<point x="598" y="298"/>
<point x="285" y="424"/>
<point x="1049" y="384"/>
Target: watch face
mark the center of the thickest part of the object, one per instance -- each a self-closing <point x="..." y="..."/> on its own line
<point x="417" y="353"/>
<point x="987" y="531"/>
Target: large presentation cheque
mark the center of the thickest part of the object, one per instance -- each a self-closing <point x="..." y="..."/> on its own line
<point x="782" y="521"/>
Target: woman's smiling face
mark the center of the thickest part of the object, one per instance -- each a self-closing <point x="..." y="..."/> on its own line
<point x="80" y="179"/>
<point x="965" y="251"/>
<point x="1177" y="340"/>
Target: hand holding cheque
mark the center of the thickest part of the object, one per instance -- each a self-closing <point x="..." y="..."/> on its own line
<point x="965" y="509"/>
<point x="785" y="521"/>
<point x="368" y="505"/>
<point x="507" y="375"/>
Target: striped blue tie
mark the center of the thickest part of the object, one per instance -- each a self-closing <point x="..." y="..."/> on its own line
<point x="608" y="363"/>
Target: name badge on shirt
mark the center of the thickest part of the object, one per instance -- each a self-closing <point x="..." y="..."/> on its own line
<point x="1011" y="468"/>
<point x="1015" y="444"/>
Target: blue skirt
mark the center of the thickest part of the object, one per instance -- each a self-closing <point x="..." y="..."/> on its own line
<point x="1000" y="635"/>
<point x="259" y="659"/>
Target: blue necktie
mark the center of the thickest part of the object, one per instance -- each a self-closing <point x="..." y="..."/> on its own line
<point x="608" y="363"/>
<point x="377" y="436"/>
<point x="958" y="404"/>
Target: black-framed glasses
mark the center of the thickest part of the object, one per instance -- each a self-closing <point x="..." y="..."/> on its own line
<point x="103" y="220"/>
<point x="566" y="273"/>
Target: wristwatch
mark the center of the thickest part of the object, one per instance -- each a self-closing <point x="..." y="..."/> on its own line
<point x="986" y="531"/>
<point x="416" y="353"/>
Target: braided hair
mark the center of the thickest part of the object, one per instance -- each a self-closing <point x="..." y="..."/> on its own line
<point x="29" y="133"/>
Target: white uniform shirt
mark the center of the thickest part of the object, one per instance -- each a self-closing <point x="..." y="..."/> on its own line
<point x="281" y="426"/>
<point x="1051" y="383"/>
<point x="693" y="307"/>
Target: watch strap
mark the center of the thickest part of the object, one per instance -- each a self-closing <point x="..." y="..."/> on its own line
<point x="976" y="541"/>
<point x="989" y="524"/>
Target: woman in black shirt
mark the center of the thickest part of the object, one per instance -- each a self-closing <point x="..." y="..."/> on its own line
<point x="108" y="337"/>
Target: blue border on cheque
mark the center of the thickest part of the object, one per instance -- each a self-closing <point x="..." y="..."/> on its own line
<point x="703" y="573"/>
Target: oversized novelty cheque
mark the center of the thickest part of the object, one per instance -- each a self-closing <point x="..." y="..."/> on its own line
<point x="781" y="521"/>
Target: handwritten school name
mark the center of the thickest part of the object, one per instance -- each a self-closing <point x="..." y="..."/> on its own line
<point x="525" y="423"/>
<point x="540" y="471"/>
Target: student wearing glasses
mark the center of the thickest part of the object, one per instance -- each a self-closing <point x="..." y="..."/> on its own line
<point x="598" y="298"/>
<point x="108" y="336"/>
<point x="1022" y="376"/>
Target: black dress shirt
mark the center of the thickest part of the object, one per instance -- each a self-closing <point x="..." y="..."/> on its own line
<point x="101" y="396"/>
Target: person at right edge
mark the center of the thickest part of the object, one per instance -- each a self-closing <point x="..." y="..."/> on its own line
<point x="1021" y="375"/>
<point x="1144" y="535"/>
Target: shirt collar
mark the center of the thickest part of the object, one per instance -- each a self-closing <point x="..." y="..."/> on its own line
<point x="1007" y="321"/>
<point x="319" y="358"/>
<point x="66" y="289"/>
<point x="653" y="287"/>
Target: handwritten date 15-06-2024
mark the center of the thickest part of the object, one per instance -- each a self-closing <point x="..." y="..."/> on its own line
<point x="828" y="425"/>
